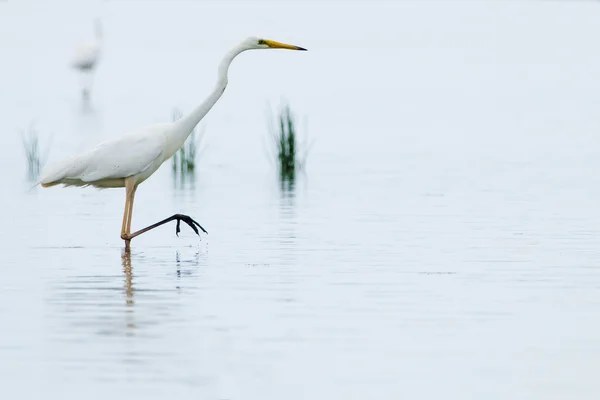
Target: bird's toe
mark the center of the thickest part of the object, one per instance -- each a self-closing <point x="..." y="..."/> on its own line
<point x="178" y="227"/>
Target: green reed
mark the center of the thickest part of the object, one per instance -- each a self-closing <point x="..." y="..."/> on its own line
<point x="290" y="154"/>
<point x="184" y="161"/>
<point x="35" y="156"/>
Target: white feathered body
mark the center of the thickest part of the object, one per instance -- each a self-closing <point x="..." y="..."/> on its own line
<point x="135" y="155"/>
<point x="86" y="56"/>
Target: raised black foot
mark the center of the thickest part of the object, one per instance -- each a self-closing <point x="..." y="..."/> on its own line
<point x="179" y="217"/>
<point x="188" y="220"/>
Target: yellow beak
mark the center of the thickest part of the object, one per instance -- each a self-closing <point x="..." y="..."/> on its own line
<point x="277" y="45"/>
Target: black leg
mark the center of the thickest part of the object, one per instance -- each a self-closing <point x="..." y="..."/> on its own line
<point x="177" y="217"/>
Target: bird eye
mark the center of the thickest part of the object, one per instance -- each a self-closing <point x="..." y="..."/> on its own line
<point x="261" y="41"/>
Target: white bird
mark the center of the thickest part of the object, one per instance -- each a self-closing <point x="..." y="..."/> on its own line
<point x="87" y="56"/>
<point x="131" y="159"/>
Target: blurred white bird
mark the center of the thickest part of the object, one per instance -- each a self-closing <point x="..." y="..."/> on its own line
<point x="87" y="57"/>
<point x="131" y="159"/>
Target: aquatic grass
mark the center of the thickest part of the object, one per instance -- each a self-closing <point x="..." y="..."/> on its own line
<point x="35" y="156"/>
<point x="184" y="161"/>
<point x="290" y="154"/>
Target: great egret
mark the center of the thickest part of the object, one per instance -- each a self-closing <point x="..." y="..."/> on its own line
<point x="87" y="56"/>
<point x="134" y="157"/>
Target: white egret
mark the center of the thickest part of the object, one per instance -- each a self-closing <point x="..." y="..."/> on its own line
<point x="87" y="56"/>
<point x="133" y="158"/>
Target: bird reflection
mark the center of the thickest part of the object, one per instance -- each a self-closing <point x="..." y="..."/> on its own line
<point x="118" y="302"/>
<point x="188" y="267"/>
<point x="181" y="271"/>
<point x="128" y="272"/>
<point x="86" y="106"/>
<point x="128" y="286"/>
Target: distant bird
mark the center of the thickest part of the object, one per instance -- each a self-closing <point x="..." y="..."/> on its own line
<point x="134" y="157"/>
<point x="87" y="56"/>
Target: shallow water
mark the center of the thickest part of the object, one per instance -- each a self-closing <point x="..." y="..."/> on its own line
<point x="442" y="242"/>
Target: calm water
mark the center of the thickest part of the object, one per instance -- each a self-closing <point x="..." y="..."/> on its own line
<point x="443" y="242"/>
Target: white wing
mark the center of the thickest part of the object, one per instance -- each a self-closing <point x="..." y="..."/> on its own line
<point x="120" y="158"/>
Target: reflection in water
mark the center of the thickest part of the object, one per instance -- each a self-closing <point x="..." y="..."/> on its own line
<point x="183" y="179"/>
<point x="288" y="193"/>
<point x="186" y="268"/>
<point x="88" y="123"/>
<point x="128" y="284"/>
<point x="86" y="105"/>
<point x="117" y="304"/>
<point x="287" y="208"/>
<point x="287" y="184"/>
<point x="127" y="270"/>
<point x="134" y="305"/>
<point x="86" y="83"/>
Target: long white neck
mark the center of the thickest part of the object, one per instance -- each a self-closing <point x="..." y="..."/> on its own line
<point x="184" y="126"/>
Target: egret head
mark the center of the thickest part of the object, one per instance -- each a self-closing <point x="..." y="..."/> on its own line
<point x="260" y="43"/>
